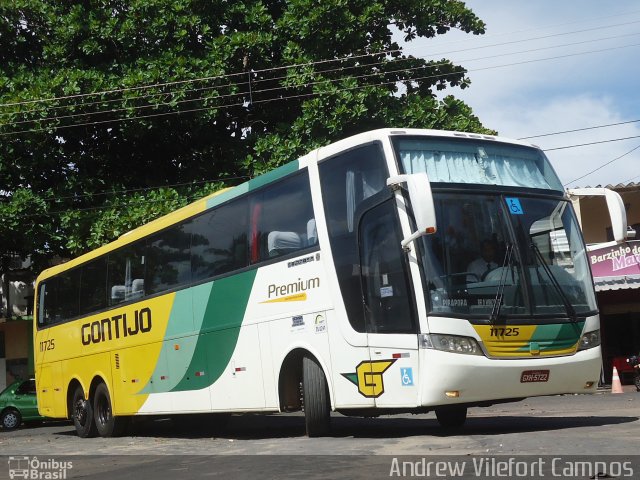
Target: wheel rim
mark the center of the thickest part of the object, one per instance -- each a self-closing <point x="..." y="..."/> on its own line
<point x="11" y="420"/>
<point x="103" y="410"/>
<point x="81" y="412"/>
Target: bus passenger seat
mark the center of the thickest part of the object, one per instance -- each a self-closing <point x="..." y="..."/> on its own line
<point x="117" y="294"/>
<point x="312" y="233"/>
<point x="281" y="243"/>
<point x="137" y="288"/>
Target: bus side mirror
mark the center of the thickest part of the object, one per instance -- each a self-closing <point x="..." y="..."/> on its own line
<point x="615" y="205"/>
<point x="424" y="211"/>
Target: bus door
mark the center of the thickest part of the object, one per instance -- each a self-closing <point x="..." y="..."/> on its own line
<point x="389" y="311"/>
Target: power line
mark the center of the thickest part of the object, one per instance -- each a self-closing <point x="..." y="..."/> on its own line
<point x="629" y="180"/>
<point x="282" y="98"/>
<point x="222" y="179"/>
<point x="140" y="107"/>
<point x="201" y="79"/>
<point x="590" y="143"/>
<point x="366" y="65"/>
<point x="555" y="25"/>
<point x="580" y="129"/>
<point x="544" y="37"/>
<point x="144" y="189"/>
<point x="318" y="62"/>
<point x="128" y="202"/>
<point x="603" y="165"/>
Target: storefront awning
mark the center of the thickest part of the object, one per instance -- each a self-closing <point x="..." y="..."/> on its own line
<point x="625" y="282"/>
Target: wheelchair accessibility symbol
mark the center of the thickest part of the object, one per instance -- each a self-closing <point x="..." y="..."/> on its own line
<point x="513" y="204"/>
<point x="406" y="375"/>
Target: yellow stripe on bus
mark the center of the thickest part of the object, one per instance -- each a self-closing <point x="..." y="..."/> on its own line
<point x="298" y="297"/>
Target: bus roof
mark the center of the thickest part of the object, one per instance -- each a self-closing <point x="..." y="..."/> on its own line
<point x="370" y="136"/>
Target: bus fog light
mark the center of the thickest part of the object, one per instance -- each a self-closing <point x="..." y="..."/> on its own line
<point x="589" y="384"/>
<point x="452" y="394"/>
<point x="590" y="340"/>
<point x="450" y="343"/>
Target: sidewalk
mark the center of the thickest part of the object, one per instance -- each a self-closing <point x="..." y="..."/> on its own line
<point x="625" y="389"/>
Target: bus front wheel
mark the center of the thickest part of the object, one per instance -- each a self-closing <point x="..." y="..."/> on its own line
<point x="452" y="416"/>
<point x="82" y="414"/>
<point x="106" y="423"/>
<point x="315" y="397"/>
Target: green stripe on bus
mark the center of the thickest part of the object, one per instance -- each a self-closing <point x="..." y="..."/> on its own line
<point x="182" y="326"/>
<point x="223" y="315"/>
<point x="557" y="336"/>
<point x="254" y="183"/>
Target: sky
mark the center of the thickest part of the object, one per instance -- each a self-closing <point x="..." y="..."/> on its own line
<point x="584" y="72"/>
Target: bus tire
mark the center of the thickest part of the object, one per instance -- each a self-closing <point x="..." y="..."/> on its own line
<point x="11" y="419"/>
<point x="452" y="416"/>
<point x="82" y="414"/>
<point x="106" y="423"/>
<point x="315" y="398"/>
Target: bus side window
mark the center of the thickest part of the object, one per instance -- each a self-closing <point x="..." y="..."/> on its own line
<point x="61" y="298"/>
<point x="168" y="261"/>
<point x="219" y="240"/>
<point x="125" y="273"/>
<point x="385" y="281"/>
<point x="93" y="286"/>
<point x="42" y="309"/>
<point x="280" y="216"/>
<point x="346" y="180"/>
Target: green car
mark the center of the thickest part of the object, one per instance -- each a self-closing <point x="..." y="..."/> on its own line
<point x="18" y="403"/>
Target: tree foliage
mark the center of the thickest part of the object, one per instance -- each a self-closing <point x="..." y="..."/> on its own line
<point x="107" y="105"/>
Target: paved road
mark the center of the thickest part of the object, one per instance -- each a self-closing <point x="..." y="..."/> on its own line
<point x="595" y="425"/>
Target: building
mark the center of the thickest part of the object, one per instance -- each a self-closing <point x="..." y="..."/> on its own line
<point x="16" y="322"/>
<point x="616" y="271"/>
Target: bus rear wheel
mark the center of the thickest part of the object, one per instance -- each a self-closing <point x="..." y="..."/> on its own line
<point x="315" y="398"/>
<point x="106" y="423"/>
<point x="452" y="416"/>
<point x="82" y="414"/>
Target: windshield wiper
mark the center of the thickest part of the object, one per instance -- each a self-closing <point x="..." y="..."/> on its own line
<point x="571" y="312"/>
<point x="497" y="303"/>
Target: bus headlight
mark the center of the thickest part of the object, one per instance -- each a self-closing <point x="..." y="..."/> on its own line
<point x="590" y="340"/>
<point x="450" y="343"/>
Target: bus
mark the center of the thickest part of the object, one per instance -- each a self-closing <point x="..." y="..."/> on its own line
<point x="344" y="281"/>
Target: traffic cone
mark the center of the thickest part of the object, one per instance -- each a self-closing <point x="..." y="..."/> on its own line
<point x="616" y="386"/>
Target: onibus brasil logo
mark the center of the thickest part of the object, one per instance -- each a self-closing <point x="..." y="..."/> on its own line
<point x="34" y="469"/>
<point x="368" y="377"/>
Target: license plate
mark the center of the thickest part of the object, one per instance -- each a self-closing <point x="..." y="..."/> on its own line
<point x="529" y="376"/>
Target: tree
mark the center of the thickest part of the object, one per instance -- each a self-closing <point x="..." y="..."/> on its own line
<point x="113" y="112"/>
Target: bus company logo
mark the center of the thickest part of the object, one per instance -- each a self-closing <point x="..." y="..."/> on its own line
<point x="291" y="292"/>
<point x="116" y="327"/>
<point x="368" y="377"/>
<point x="34" y="469"/>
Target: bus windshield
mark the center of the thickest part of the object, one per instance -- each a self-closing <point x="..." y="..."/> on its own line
<point x="512" y="255"/>
<point x="482" y="162"/>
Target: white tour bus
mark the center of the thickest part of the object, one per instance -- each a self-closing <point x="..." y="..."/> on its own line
<point x="393" y="271"/>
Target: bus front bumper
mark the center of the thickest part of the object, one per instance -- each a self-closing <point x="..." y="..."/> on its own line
<point x="453" y="378"/>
